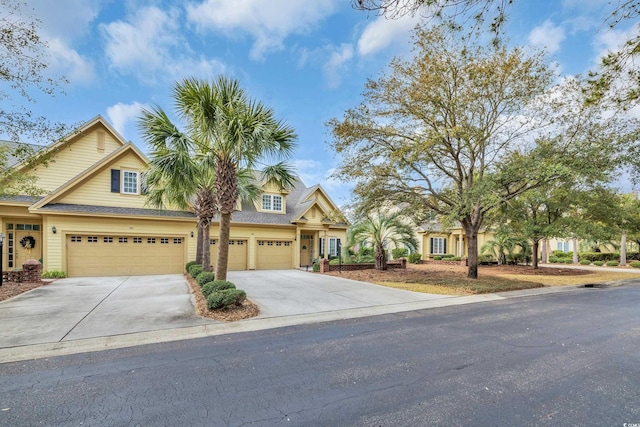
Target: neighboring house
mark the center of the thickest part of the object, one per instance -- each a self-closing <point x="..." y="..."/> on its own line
<point x="437" y="240"/>
<point x="93" y="220"/>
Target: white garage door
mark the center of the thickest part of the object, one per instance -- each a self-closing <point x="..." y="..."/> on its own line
<point x="114" y="255"/>
<point x="237" y="254"/>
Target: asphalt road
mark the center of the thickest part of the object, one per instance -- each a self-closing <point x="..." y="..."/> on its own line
<point x="566" y="359"/>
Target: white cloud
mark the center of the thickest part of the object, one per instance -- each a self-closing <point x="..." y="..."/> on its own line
<point x="66" y="20"/>
<point x="149" y="46"/>
<point x="547" y="36"/>
<point x="122" y="116"/>
<point x="313" y="172"/>
<point x="335" y="66"/>
<point x="382" y="32"/>
<point x="268" y="23"/>
<point x="70" y="63"/>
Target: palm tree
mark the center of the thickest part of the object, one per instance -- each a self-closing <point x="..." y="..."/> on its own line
<point x="236" y="133"/>
<point x="380" y="231"/>
<point x="501" y="247"/>
<point x="178" y="177"/>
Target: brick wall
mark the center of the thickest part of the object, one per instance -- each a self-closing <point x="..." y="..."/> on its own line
<point x="462" y="262"/>
<point x="325" y="267"/>
<point x="32" y="271"/>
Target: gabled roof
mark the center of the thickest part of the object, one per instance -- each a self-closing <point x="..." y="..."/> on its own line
<point x="75" y="181"/>
<point x="12" y="146"/>
<point x="75" y="133"/>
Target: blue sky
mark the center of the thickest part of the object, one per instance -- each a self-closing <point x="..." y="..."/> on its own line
<point x="308" y="59"/>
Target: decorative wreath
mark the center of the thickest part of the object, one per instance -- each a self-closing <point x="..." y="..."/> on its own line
<point x="28" y="242"/>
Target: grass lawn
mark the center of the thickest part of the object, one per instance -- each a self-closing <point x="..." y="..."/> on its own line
<point x="452" y="280"/>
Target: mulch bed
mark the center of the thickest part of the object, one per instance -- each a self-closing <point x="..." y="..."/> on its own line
<point x="11" y="289"/>
<point x="247" y="310"/>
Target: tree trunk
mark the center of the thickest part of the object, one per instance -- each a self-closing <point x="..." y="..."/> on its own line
<point x="575" y="250"/>
<point x="534" y="255"/>
<point x="223" y="248"/>
<point x="543" y="252"/>
<point x="206" y="247"/>
<point x="472" y="252"/>
<point x="381" y="258"/>
<point x="199" y="244"/>
<point x="623" y="249"/>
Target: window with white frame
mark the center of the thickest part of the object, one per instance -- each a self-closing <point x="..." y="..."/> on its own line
<point x="271" y="202"/>
<point x="563" y="246"/>
<point x="130" y="182"/>
<point x="333" y="246"/>
<point x="438" y="246"/>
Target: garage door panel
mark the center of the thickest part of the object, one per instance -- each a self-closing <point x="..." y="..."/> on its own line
<point x="99" y="255"/>
<point x="237" y="254"/>
<point x="274" y="255"/>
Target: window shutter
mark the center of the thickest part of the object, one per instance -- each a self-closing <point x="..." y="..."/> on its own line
<point x="444" y="245"/>
<point x="431" y="245"/>
<point x="115" y="180"/>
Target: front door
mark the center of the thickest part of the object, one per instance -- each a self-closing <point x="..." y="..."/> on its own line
<point x="24" y="239"/>
<point x="305" y="252"/>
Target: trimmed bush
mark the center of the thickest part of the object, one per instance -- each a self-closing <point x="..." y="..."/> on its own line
<point x="612" y="263"/>
<point x="334" y="261"/>
<point x="585" y="262"/>
<point x="54" y="274"/>
<point x="437" y="258"/>
<point x="445" y="256"/>
<point x="205" y="277"/>
<point x="216" y="285"/>
<point x="635" y="264"/>
<point x="568" y="260"/>
<point x="226" y="298"/>
<point x="189" y="264"/>
<point x="316" y="267"/>
<point x="600" y="256"/>
<point x="456" y="258"/>
<point x="415" y="258"/>
<point x="598" y="263"/>
<point x="194" y="270"/>
<point x="554" y="260"/>
<point x="397" y="253"/>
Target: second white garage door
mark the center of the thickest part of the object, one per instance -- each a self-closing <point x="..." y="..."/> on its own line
<point x="237" y="254"/>
<point x="113" y="255"/>
<point x="274" y="255"/>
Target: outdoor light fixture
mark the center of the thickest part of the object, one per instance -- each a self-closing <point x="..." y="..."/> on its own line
<point x="192" y="234"/>
<point x="53" y="229"/>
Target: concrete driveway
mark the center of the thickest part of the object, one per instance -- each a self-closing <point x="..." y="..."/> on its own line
<point x="77" y="308"/>
<point x="295" y="292"/>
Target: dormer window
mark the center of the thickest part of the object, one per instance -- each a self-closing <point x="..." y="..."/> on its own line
<point x="271" y="202"/>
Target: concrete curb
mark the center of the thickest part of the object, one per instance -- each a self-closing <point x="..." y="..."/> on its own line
<point x="47" y="350"/>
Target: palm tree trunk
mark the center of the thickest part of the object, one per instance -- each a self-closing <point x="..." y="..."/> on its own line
<point x="199" y="244"/>
<point x="381" y="258"/>
<point x="223" y="249"/>
<point x="206" y="247"/>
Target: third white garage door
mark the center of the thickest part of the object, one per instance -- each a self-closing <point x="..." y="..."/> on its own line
<point x="274" y="255"/>
<point x="113" y="255"/>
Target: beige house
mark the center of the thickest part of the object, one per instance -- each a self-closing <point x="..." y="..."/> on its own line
<point x="92" y="218"/>
<point x="436" y="240"/>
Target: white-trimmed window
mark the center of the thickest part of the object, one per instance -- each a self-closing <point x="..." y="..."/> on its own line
<point x="563" y="246"/>
<point x="271" y="202"/>
<point x="333" y="246"/>
<point x="130" y="182"/>
<point x="438" y="245"/>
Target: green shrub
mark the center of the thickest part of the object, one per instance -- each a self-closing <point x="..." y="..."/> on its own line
<point x="585" y="262"/>
<point x="225" y="299"/>
<point x="554" y="260"/>
<point x="437" y="258"/>
<point x="216" y="285"/>
<point x="445" y="256"/>
<point x="397" y="253"/>
<point x="415" y="258"/>
<point x="456" y="258"/>
<point x="612" y="263"/>
<point x="486" y="259"/>
<point x="598" y="263"/>
<point x="631" y="255"/>
<point x="334" y="261"/>
<point x="635" y="264"/>
<point x="194" y="270"/>
<point x="54" y="274"/>
<point x="205" y="277"/>
<point x="568" y="260"/>
<point x="599" y="256"/>
<point x="316" y="267"/>
<point x="189" y="264"/>
<point x="366" y="259"/>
